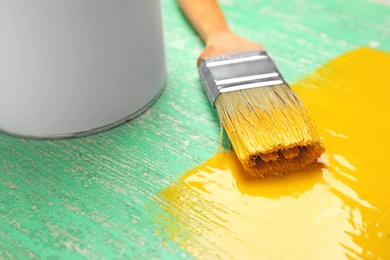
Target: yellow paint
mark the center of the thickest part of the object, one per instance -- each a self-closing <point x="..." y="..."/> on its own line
<point x="337" y="209"/>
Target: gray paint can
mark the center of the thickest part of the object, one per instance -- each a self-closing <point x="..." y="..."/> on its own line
<point x="77" y="67"/>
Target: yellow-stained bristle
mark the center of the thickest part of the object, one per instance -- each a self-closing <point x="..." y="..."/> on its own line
<point x="269" y="129"/>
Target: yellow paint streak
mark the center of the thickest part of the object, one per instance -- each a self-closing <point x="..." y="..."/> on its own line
<point x="337" y="209"/>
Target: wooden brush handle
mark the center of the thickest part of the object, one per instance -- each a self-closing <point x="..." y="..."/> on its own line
<point x="205" y="16"/>
<point x="208" y="20"/>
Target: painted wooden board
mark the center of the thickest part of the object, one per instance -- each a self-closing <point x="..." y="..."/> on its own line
<point x="91" y="198"/>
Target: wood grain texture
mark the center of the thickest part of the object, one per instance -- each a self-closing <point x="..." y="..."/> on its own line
<point x="90" y="198"/>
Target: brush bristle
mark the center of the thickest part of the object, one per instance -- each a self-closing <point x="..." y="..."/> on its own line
<point x="269" y="129"/>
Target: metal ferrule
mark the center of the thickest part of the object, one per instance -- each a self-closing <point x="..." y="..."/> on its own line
<point x="238" y="71"/>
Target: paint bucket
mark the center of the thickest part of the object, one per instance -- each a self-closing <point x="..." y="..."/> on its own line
<point x="76" y="67"/>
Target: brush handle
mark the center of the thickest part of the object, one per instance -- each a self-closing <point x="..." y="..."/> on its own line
<point x="205" y="16"/>
<point x="208" y="20"/>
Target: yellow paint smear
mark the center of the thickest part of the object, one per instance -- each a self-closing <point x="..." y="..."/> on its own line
<point x="337" y="209"/>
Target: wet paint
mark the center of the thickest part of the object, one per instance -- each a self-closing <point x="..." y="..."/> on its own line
<point x="339" y="208"/>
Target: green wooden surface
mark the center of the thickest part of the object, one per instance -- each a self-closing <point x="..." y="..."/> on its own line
<point x="92" y="197"/>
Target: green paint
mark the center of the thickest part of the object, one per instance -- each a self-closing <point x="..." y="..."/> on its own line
<point x="85" y="198"/>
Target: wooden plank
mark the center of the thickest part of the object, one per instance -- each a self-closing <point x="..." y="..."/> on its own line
<point x="86" y="198"/>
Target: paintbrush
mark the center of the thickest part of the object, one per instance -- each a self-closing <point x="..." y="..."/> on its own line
<point x="267" y="125"/>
